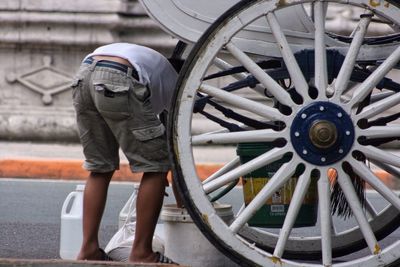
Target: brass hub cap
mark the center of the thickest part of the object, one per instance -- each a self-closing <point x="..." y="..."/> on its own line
<point x="323" y="134"/>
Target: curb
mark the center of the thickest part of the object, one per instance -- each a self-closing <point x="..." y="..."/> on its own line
<point x="71" y="169"/>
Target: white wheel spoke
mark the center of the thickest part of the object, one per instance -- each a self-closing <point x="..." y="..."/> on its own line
<point x="270" y="84"/>
<point x="381" y="132"/>
<point x="379" y="106"/>
<point x="292" y="66"/>
<point x="295" y="204"/>
<point x="366" y="87"/>
<point x="267" y="135"/>
<point x="343" y="77"/>
<point x="321" y="72"/>
<point x="333" y="228"/>
<point x="390" y="169"/>
<point x="254" y="164"/>
<point x="222" y="64"/>
<point x="227" y="167"/>
<point x="284" y="173"/>
<point x="356" y="207"/>
<point x="379" y="96"/>
<point x="366" y="174"/>
<point x="377" y="154"/>
<point x="324" y="200"/>
<point x="243" y="103"/>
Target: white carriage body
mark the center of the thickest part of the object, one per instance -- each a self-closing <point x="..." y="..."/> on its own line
<point x="187" y="20"/>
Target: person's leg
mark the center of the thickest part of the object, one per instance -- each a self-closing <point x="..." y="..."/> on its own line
<point x="100" y="148"/>
<point x="148" y="206"/>
<point x="94" y="201"/>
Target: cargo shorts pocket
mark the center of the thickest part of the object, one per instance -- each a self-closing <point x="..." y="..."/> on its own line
<point x="141" y="92"/>
<point x="76" y="86"/>
<point x="143" y="106"/>
<point x="112" y="100"/>
<point x="78" y="78"/>
<point x="75" y="82"/>
<point x="153" y="145"/>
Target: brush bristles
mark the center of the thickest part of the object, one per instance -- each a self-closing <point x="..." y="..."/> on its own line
<point x="339" y="204"/>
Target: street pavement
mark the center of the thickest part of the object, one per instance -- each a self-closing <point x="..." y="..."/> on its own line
<point x="30" y="209"/>
<point x="30" y="216"/>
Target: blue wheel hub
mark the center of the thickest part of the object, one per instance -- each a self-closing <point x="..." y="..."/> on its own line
<point x="322" y="133"/>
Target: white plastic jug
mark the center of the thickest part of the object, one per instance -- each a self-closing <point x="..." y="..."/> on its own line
<point x="71" y="224"/>
<point x="130" y="204"/>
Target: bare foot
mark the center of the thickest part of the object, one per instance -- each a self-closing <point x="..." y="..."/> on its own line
<point x="90" y="255"/>
<point x="153" y="257"/>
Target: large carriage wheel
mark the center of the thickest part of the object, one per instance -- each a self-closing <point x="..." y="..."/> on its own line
<point x="332" y="123"/>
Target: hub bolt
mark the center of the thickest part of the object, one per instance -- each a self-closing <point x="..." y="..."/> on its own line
<point x="323" y="134"/>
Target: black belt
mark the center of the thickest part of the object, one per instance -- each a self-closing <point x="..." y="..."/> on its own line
<point x="113" y="65"/>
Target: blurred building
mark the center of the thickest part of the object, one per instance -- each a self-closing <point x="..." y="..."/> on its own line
<point x="42" y="43"/>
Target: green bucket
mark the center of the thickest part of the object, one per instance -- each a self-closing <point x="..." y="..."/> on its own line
<point x="272" y="213"/>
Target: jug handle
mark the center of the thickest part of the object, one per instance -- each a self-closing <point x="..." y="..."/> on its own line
<point x="67" y="201"/>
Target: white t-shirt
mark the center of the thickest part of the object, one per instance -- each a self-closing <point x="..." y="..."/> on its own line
<point x="154" y="70"/>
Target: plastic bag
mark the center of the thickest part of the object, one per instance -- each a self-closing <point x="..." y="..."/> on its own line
<point x="120" y="245"/>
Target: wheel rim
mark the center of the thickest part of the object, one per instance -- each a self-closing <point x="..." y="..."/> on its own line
<point x="344" y="143"/>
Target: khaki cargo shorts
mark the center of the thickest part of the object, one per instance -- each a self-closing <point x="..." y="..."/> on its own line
<point x="113" y="111"/>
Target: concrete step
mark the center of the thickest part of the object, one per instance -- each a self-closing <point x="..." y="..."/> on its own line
<point x="65" y="263"/>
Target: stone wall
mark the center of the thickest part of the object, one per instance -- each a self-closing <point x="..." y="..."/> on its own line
<point x="42" y="43"/>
